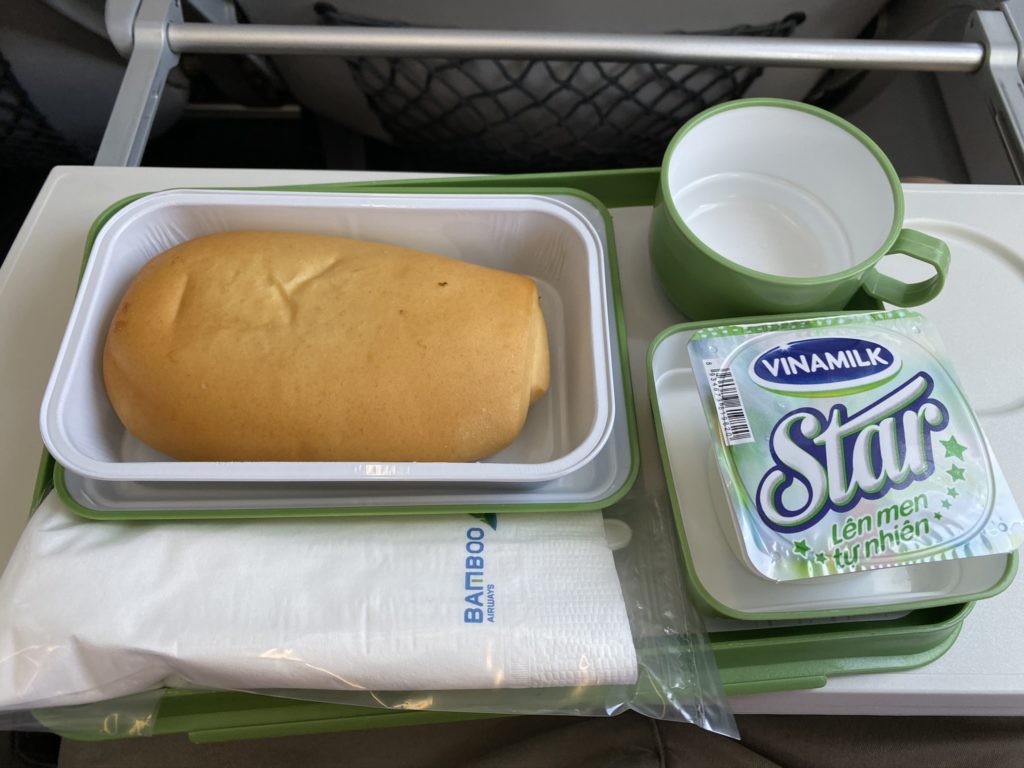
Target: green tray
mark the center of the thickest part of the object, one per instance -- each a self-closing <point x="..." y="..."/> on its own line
<point x="756" y="660"/>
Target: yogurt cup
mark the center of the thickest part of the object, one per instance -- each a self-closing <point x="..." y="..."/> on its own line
<point x="846" y="444"/>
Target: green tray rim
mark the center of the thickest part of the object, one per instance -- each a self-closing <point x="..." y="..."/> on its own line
<point x="60" y="481"/>
<point x="816" y="674"/>
<point x="693" y="577"/>
<point x="213" y="716"/>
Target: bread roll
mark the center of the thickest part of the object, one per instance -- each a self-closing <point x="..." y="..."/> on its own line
<point x="272" y="346"/>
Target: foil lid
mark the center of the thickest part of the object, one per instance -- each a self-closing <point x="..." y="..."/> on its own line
<point x="845" y="444"/>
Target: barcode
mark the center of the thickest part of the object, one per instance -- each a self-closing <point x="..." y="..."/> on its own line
<point x="731" y="414"/>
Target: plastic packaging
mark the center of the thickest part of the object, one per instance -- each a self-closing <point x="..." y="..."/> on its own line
<point x="846" y="444"/>
<point x="535" y="622"/>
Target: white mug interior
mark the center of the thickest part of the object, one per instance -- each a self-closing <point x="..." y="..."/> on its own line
<point x="781" y="191"/>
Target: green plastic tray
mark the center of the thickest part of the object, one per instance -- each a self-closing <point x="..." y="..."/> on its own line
<point x="757" y="660"/>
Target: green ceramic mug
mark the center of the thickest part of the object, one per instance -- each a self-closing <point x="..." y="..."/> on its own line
<point x="768" y="205"/>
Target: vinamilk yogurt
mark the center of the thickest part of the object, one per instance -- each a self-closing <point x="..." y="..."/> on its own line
<point x="845" y="443"/>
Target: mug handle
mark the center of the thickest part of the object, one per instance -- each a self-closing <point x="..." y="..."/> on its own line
<point x="918" y="246"/>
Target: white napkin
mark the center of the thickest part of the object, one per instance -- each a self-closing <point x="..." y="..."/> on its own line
<point x="91" y="611"/>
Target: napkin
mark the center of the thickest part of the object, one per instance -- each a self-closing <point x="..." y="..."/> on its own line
<point x="91" y="611"/>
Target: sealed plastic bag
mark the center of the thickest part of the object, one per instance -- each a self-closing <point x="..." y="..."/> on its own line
<point x="506" y="613"/>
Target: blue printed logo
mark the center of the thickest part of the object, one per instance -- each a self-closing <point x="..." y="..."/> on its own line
<point x="479" y="594"/>
<point x="825" y="366"/>
<point x="829" y="462"/>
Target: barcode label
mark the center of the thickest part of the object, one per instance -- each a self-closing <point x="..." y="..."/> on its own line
<point x="731" y="414"/>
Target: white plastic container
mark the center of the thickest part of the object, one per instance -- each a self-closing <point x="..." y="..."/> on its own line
<point x="539" y="237"/>
<point x="592" y="486"/>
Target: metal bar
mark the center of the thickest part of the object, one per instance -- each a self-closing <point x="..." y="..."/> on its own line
<point x="131" y="119"/>
<point x="137" y="100"/>
<point x="468" y="44"/>
<point x="1001" y="80"/>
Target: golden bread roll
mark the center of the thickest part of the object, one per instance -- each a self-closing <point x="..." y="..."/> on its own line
<point x="273" y="346"/>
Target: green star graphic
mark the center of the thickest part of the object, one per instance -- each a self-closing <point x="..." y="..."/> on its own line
<point x="937" y="515"/>
<point x="801" y="547"/>
<point x="952" y="492"/>
<point x="953" y="448"/>
<point x="955" y="472"/>
<point x="821" y="557"/>
<point x="946" y="504"/>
